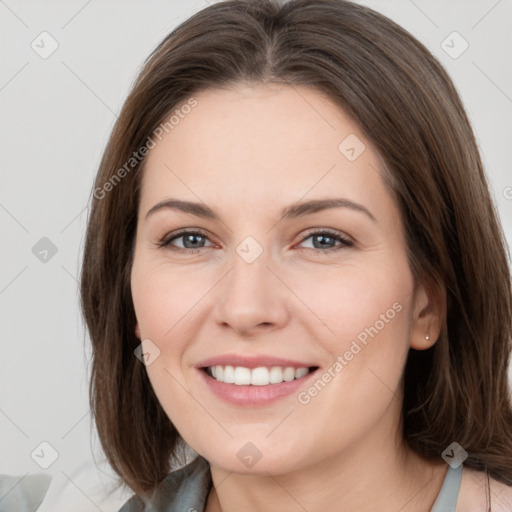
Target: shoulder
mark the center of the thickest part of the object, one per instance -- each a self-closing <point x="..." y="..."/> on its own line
<point x="473" y="493"/>
<point x="134" y="504"/>
<point x="26" y="491"/>
<point x="189" y="486"/>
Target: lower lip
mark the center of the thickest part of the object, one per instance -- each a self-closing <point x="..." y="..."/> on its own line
<point x="254" y="396"/>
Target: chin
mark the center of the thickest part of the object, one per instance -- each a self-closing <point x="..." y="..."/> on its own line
<point x="258" y="458"/>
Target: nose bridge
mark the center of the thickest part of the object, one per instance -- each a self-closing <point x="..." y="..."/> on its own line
<point x="250" y="294"/>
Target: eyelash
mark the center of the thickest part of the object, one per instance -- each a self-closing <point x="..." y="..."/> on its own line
<point x="166" y="241"/>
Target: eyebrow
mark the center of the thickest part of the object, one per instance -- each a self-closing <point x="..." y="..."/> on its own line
<point x="289" y="212"/>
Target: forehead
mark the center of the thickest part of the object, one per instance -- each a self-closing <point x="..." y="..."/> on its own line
<point x="262" y="143"/>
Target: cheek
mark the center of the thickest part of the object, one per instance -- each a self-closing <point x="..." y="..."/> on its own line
<point x="355" y="302"/>
<point x="164" y="301"/>
<point x="365" y="322"/>
<point x="163" y="298"/>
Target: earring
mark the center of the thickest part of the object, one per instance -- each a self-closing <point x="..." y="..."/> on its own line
<point x="427" y="337"/>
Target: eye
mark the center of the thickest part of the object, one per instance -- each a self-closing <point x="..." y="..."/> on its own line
<point x="192" y="241"/>
<point x="325" y="241"/>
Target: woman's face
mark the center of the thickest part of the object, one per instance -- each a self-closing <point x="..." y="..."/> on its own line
<point x="254" y="291"/>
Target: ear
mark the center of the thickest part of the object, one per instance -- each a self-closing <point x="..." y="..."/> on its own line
<point x="137" y="330"/>
<point x="428" y="316"/>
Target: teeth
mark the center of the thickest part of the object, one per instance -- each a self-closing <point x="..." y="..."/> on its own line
<point x="276" y="375"/>
<point x="260" y="376"/>
<point x="289" y="374"/>
<point x="301" y="372"/>
<point x="229" y="375"/>
<point x="242" y="376"/>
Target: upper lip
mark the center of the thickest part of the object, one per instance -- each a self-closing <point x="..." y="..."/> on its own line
<point x="252" y="361"/>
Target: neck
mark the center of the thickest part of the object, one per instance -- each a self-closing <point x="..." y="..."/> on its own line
<point x="377" y="473"/>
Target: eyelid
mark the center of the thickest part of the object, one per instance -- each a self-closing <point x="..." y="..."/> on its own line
<point x="327" y="231"/>
<point x="165" y="241"/>
<point x="344" y="240"/>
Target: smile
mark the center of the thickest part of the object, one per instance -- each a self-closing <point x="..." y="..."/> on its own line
<point x="249" y="381"/>
<point x="261" y="376"/>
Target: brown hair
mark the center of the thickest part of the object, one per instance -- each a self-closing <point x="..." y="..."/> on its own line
<point x="407" y="106"/>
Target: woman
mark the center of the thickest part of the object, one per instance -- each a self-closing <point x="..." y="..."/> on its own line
<point x="293" y="267"/>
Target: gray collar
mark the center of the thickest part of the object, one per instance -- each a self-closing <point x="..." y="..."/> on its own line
<point x="188" y="488"/>
<point x="182" y="490"/>
<point x="447" y="498"/>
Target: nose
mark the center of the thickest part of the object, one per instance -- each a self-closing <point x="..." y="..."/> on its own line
<point x="251" y="298"/>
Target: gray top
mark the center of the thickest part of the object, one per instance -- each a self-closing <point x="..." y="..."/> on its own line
<point x="187" y="490"/>
<point x="184" y="490"/>
<point x="23" y="493"/>
<point x="447" y="498"/>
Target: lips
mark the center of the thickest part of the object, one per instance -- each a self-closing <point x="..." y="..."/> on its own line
<point x="254" y="380"/>
<point x="253" y="362"/>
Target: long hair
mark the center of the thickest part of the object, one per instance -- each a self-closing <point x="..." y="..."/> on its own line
<point x="408" y="107"/>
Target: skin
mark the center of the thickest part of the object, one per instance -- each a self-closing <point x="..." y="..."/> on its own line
<point x="247" y="152"/>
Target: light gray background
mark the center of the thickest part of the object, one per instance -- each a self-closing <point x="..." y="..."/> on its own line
<point x="56" y="115"/>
